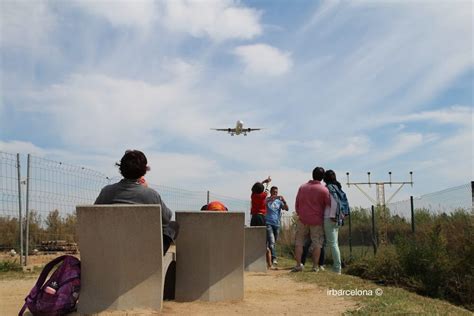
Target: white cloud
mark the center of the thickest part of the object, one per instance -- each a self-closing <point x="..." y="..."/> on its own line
<point x="102" y="112"/>
<point x="403" y="143"/>
<point x="25" y="24"/>
<point x="412" y="55"/>
<point x="325" y="8"/>
<point x="182" y="170"/>
<point x="329" y="151"/>
<point x="264" y="60"/>
<point x="355" y="146"/>
<point x="459" y="115"/>
<point x="137" y="13"/>
<point x="16" y="146"/>
<point x="217" y="19"/>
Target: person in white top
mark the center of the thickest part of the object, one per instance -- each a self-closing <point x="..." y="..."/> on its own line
<point x="331" y="227"/>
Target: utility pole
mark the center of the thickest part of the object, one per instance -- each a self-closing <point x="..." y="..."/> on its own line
<point x="380" y="200"/>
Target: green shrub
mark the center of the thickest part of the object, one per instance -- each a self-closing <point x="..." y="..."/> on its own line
<point x="9" y="265"/>
<point x="383" y="267"/>
<point x="438" y="260"/>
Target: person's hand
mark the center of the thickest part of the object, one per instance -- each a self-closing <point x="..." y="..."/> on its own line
<point x="143" y="182"/>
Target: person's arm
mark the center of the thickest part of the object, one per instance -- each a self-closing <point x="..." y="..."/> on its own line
<point x="297" y="201"/>
<point x="332" y="208"/>
<point x="327" y="198"/>
<point x="101" y="198"/>
<point x="285" y="205"/>
<point x="165" y="213"/>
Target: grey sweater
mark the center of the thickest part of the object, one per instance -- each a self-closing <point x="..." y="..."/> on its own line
<point x="130" y="192"/>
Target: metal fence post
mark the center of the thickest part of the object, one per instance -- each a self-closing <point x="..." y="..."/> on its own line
<point x="374" y="237"/>
<point x="472" y="193"/>
<point x="350" y="237"/>
<point x="20" y="218"/>
<point x="412" y="214"/>
<point x="27" y="206"/>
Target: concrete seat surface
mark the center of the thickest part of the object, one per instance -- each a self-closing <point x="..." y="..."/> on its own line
<point x="122" y="266"/>
<point x="210" y="256"/>
<point x="255" y="249"/>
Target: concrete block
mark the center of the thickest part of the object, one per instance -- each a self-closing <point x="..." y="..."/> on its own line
<point x="210" y="256"/>
<point x="122" y="265"/>
<point x="255" y="249"/>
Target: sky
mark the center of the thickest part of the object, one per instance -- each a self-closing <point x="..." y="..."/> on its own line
<point x="353" y="86"/>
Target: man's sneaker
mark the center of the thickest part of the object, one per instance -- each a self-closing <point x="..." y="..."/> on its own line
<point x="275" y="262"/>
<point x="321" y="268"/>
<point x="315" y="269"/>
<point x="297" y="269"/>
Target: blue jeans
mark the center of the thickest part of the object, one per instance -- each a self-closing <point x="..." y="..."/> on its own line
<point x="331" y="231"/>
<point x="272" y="236"/>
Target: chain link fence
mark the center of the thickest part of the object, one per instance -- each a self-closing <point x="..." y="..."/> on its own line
<point x="10" y="201"/>
<point x="366" y="228"/>
<point x="47" y="197"/>
<point x="445" y="201"/>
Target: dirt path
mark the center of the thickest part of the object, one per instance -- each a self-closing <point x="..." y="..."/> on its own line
<point x="265" y="293"/>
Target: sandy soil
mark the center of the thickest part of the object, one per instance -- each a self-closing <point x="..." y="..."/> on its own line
<point x="265" y="293"/>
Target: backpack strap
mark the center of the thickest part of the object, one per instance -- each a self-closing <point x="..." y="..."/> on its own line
<point x="44" y="274"/>
<point x="47" y="269"/>
<point x="22" y="311"/>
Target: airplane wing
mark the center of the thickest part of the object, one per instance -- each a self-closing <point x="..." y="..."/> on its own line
<point x="228" y="130"/>
<point x="250" y="129"/>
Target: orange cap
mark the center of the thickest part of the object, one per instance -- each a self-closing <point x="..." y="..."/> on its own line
<point x="216" y="206"/>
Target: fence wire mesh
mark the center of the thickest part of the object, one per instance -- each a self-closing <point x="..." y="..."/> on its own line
<point x="54" y="189"/>
<point x="9" y="201"/>
<point x="445" y="201"/>
<point x="178" y="199"/>
<point x="233" y="204"/>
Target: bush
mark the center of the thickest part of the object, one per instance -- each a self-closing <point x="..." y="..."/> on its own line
<point x="384" y="267"/>
<point x="8" y="265"/>
<point x="438" y="260"/>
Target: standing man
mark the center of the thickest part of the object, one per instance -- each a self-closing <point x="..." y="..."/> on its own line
<point x="275" y="204"/>
<point x="311" y="201"/>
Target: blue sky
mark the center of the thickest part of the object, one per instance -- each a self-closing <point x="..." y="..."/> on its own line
<point x="349" y="85"/>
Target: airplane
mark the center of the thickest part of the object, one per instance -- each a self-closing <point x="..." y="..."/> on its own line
<point x="237" y="130"/>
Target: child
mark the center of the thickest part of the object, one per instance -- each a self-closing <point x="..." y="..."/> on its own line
<point x="259" y="209"/>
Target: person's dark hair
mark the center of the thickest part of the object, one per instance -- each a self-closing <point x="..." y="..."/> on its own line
<point x="273" y="188"/>
<point x="330" y="178"/>
<point x="133" y="164"/>
<point x="318" y="173"/>
<point x="257" y="188"/>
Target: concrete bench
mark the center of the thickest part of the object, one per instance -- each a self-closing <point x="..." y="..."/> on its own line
<point x="210" y="256"/>
<point x="256" y="249"/>
<point x="122" y="263"/>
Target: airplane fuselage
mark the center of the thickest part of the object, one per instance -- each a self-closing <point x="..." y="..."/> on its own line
<point x="237" y="130"/>
<point x="238" y="127"/>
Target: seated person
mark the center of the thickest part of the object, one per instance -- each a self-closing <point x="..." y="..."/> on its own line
<point x="214" y="206"/>
<point x="132" y="189"/>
